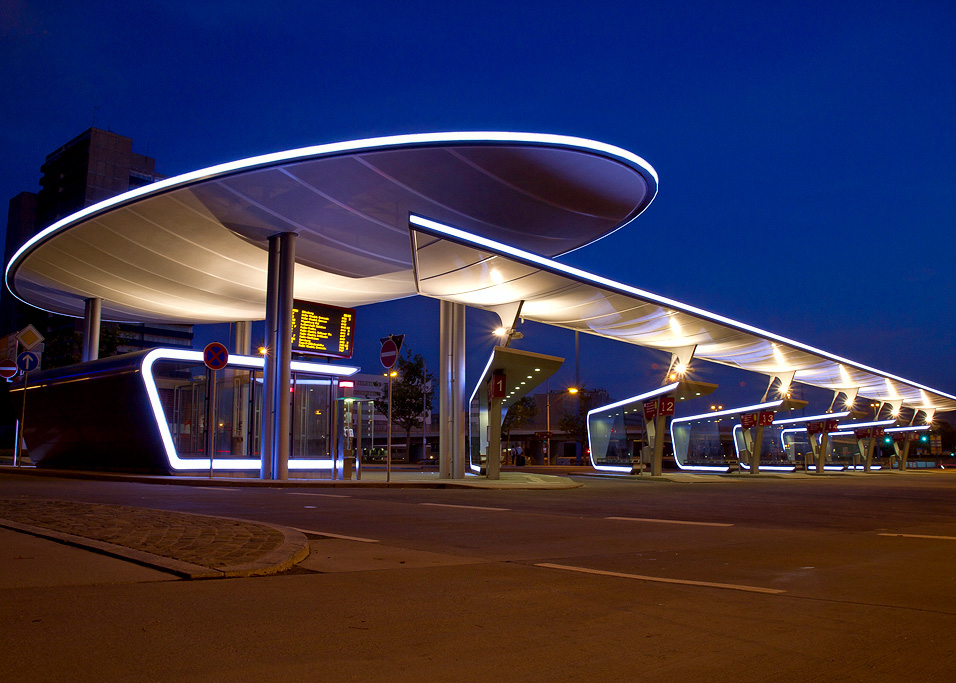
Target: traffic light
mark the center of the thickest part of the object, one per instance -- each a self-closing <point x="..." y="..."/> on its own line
<point x="924" y="438"/>
<point x="887" y="439"/>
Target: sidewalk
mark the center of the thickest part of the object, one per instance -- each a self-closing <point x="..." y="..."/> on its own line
<point x="187" y="545"/>
<point x="370" y="479"/>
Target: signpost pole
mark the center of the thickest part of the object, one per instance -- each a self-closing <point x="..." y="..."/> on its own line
<point x="388" y="440"/>
<point x="23" y="421"/>
<point x="210" y="416"/>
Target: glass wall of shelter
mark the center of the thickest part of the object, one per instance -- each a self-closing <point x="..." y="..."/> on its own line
<point x="616" y="435"/>
<point x="316" y="415"/>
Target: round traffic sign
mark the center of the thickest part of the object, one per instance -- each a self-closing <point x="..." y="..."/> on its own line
<point x="28" y="361"/>
<point x="389" y="353"/>
<point x="8" y="369"/>
<point x="215" y="356"/>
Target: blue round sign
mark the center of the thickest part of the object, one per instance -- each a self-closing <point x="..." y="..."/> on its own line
<point x="215" y="356"/>
<point x="28" y="361"/>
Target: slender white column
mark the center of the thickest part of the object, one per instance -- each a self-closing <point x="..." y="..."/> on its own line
<point x="242" y="339"/>
<point x="91" y="329"/>
<point x="460" y="393"/>
<point x="267" y="402"/>
<point x="444" y="391"/>
<point x="283" y="413"/>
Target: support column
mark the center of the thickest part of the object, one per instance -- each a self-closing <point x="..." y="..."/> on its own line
<point x="869" y="450"/>
<point x="242" y="339"/>
<point x="268" y="401"/>
<point x="282" y="430"/>
<point x="824" y="444"/>
<point x="657" y="463"/>
<point x="445" y="390"/>
<point x="460" y="395"/>
<point x="242" y="344"/>
<point x="755" y="453"/>
<point x="91" y="329"/>
<point x="493" y="463"/>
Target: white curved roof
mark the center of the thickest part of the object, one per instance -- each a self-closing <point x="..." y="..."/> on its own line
<point x="193" y="248"/>
<point x="453" y="265"/>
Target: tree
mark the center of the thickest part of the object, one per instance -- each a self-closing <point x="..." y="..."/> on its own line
<point x="412" y="394"/>
<point x="521" y="413"/>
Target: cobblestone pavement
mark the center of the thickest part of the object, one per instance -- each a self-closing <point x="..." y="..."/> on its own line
<point x="193" y="546"/>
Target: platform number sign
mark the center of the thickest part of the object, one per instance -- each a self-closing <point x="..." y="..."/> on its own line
<point x="666" y="406"/>
<point x="765" y="418"/>
<point x="498" y="385"/>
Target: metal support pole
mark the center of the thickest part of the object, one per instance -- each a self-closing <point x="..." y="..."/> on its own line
<point x="242" y="340"/>
<point x="91" y="329"/>
<point x="21" y="428"/>
<point x="210" y="417"/>
<point x="459" y="393"/>
<point x="358" y="443"/>
<point x="388" y="439"/>
<point x="444" y="391"/>
<point x="268" y="402"/>
<point x="283" y="413"/>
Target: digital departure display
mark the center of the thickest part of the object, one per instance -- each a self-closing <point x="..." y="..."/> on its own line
<point x="322" y="330"/>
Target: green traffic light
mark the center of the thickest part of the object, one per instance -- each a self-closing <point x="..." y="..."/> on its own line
<point x="923" y="438"/>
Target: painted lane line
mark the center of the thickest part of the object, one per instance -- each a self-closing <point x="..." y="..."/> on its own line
<point x="321" y="495"/>
<point x="668" y="521"/>
<point x="215" y="488"/>
<point x="659" y="579"/>
<point x="338" y="536"/>
<point x="465" y="507"/>
<point x="936" y="538"/>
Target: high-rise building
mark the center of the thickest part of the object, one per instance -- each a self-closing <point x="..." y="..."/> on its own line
<point x="93" y="166"/>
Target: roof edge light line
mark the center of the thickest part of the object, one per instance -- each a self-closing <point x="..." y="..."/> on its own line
<point x="332" y="149"/>
<point x="470" y="239"/>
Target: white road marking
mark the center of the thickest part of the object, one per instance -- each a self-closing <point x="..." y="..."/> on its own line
<point x="215" y="488"/>
<point x="668" y="521"/>
<point x="338" y="536"/>
<point x="659" y="579"/>
<point x="464" y="507"/>
<point x="321" y="495"/>
<point x="937" y="538"/>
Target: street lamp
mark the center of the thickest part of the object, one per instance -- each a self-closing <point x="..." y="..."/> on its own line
<point x="572" y="391"/>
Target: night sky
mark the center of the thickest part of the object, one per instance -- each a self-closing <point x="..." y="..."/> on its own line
<point x="806" y="151"/>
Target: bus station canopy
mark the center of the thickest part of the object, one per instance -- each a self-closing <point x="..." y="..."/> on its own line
<point x="488" y="212"/>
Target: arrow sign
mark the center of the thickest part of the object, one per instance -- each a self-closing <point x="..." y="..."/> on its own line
<point x="8" y="369"/>
<point x="215" y="356"/>
<point x="389" y="353"/>
<point x="28" y="361"/>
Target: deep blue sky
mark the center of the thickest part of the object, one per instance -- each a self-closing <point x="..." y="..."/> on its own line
<point x="806" y="151"/>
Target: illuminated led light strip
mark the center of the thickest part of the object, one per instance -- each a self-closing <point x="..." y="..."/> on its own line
<point x="484" y="373"/>
<point x="184" y="464"/>
<point x="825" y="416"/>
<point x="919" y="428"/>
<point x="442" y="230"/>
<point x="732" y="411"/>
<point x="619" y="469"/>
<point x="319" y="151"/>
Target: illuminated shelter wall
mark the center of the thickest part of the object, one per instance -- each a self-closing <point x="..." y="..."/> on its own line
<point x="145" y="412"/>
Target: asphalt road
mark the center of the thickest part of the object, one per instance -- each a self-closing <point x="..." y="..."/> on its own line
<point x="838" y="578"/>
